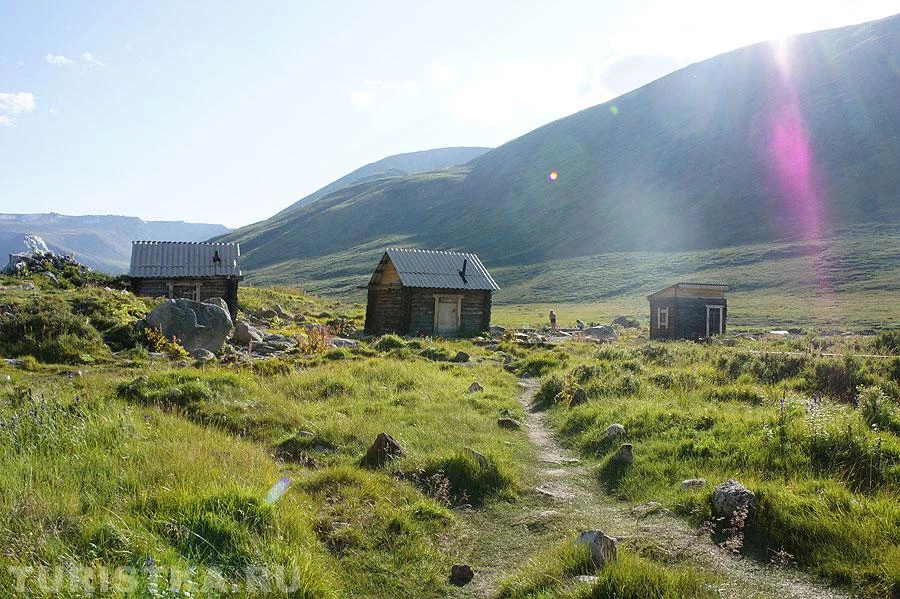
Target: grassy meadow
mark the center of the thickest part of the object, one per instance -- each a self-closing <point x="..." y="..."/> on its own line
<point x="131" y="466"/>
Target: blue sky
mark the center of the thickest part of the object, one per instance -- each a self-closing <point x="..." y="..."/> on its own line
<point x="227" y="112"/>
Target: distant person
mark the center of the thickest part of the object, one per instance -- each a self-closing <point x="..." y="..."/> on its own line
<point x="552" y="320"/>
<point x="579" y="324"/>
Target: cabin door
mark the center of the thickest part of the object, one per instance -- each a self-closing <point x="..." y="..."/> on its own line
<point x="184" y="291"/>
<point x="446" y="316"/>
<point x="713" y="320"/>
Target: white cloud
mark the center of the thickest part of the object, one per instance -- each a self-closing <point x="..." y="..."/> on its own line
<point x="14" y="103"/>
<point x="58" y="59"/>
<point x="362" y="98"/>
<point x="373" y="89"/>
<point x="128" y="48"/>
<point x="91" y="59"/>
<point x="53" y="111"/>
<point x="17" y="103"/>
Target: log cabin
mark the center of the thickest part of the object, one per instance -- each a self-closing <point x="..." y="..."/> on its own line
<point x="183" y="269"/>
<point x="423" y="292"/>
<point x="688" y="311"/>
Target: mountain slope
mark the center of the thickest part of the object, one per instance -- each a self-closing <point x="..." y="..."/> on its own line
<point x="101" y="242"/>
<point x="768" y="142"/>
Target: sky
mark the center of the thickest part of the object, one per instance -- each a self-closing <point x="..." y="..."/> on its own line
<point x="227" y="112"/>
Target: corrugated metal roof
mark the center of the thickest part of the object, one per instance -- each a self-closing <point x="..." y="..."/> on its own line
<point x="441" y="270"/>
<point x="176" y="259"/>
<point x="689" y="284"/>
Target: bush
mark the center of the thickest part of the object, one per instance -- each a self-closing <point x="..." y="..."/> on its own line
<point x="437" y="354"/>
<point x="877" y="409"/>
<point x="742" y="393"/>
<point x="888" y="342"/>
<point x="47" y="329"/>
<point x="388" y="342"/>
<point x="469" y="481"/>
<point x="835" y="378"/>
<point x="539" y="364"/>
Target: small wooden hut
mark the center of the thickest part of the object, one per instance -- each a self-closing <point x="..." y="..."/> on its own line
<point x="688" y="311"/>
<point x="422" y="292"/>
<point x="176" y="269"/>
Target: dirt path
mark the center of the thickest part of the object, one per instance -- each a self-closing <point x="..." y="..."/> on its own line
<point x="565" y="498"/>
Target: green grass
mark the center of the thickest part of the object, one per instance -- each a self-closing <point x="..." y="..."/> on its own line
<point x="828" y="483"/>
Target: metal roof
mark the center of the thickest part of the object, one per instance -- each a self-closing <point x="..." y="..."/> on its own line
<point x="440" y="270"/>
<point x="721" y="286"/>
<point x="176" y="259"/>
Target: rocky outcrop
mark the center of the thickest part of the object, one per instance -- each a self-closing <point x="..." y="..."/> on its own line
<point x="601" y="546"/>
<point x="732" y="497"/>
<point x="601" y="333"/>
<point x="244" y="334"/>
<point x="384" y="448"/>
<point x="195" y="325"/>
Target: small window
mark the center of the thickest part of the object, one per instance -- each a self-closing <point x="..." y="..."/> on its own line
<point x="662" y="318"/>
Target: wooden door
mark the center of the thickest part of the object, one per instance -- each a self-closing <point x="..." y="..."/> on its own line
<point x="713" y="320"/>
<point x="447" y="316"/>
<point x="184" y="291"/>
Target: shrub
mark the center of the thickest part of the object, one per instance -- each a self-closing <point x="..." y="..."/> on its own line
<point x="437" y="354"/>
<point x="888" y="342"/>
<point x="469" y="481"/>
<point x="539" y="364"/>
<point x="388" y="342"/>
<point x="157" y="342"/>
<point x="313" y="340"/>
<point x="550" y="388"/>
<point x="742" y="393"/>
<point x="834" y="378"/>
<point x="877" y="409"/>
<point x="47" y="329"/>
<point x="657" y="353"/>
<point x="774" y="368"/>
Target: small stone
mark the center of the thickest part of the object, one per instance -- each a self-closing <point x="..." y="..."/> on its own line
<point x="579" y="396"/>
<point x="341" y="342"/>
<point x="383" y="449"/>
<point x="731" y="497"/>
<point x="601" y="546"/>
<point x="614" y="430"/>
<point x="510" y="423"/>
<point x="306" y="434"/>
<point x="203" y="355"/>
<point x="460" y="357"/>
<point x="646" y="509"/>
<point x="475" y="388"/>
<point x="624" y="455"/>
<point x="693" y="483"/>
<point x="585" y="579"/>
<point x="461" y="574"/>
<point x="479" y="458"/>
<point x="7" y="378"/>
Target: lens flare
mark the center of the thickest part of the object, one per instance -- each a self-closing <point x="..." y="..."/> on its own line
<point x="614" y="109"/>
<point x="278" y="490"/>
<point x="553" y="176"/>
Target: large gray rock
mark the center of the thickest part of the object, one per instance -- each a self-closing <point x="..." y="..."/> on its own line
<point x="601" y="546"/>
<point x="384" y="448"/>
<point x="244" y="334"/>
<point x="624" y="455"/>
<point x="602" y="333"/>
<point x="614" y="430"/>
<point x="195" y="325"/>
<point x="217" y="301"/>
<point x="730" y="498"/>
<point x="626" y="322"/>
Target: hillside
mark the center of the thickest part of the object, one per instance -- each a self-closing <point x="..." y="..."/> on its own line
<point x="390" y="167"/>
<point x="101" y="242"/>
<point x="789" y="143"/>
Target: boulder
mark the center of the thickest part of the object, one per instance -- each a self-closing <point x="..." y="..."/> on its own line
<point x="280" y="313"/>
<point x="601" y="546"/>
<point x="626" y="322"/>
<point x="460" y="357"/>
<point x="624" y="455"/>
<point x="693" y="483"/>
<point x="601" y="333"/>
<point x="461" y="574"/>
<point x="497" y="331"/>
<point x="479" y="458"/>
<point x="730" y="498"/>
<point x="475" y="388"/>
<point x="217" y="301"/>
<point x="244" y="334"/>
<point x="579" y="396"/>
<point x="383" y="449"/>
<point x="614" y="430"/>
<point x="510" y="423"/>
<point x="203" y="355"/>
<point x="195" y="325"/>
<point x="341" y="342"/>
<point x="266" y="314"/>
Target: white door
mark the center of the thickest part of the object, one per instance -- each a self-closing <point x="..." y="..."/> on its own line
<point x="447" y="316"/>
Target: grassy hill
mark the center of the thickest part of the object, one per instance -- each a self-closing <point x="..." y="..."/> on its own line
<point x="791" y="145"/>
